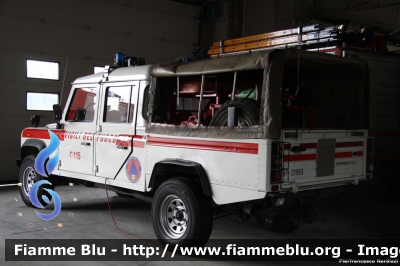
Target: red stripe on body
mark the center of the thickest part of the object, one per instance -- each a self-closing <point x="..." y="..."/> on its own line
<point x="287" y="146"/>
<point x="313" y="157"/>
<point x="305" y="145"/>
<point x="349" y="144"/>
<point x="315" y="145"/>
<point x="205" y="145"/>
<point x="347" y="154"/>
<point x="300" y="157"/>
<point x="138" y="141"/>
<point x="309" y="145"/>
<point x="124" y="140"/>
<point x="34" y="133"/>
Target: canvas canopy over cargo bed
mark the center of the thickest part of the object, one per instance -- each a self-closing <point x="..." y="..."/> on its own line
<point x="339" y="88"/>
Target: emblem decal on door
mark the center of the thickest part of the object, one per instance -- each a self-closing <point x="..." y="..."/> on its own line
<point x="133" y="169"/>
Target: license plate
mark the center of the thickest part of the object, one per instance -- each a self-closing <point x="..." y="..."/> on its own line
<point x="295" y="172"/>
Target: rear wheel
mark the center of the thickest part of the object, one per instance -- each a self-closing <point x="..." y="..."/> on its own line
<point x="28" y="177"/>
<point x="181" y="213"/>
<point x="247" y="110"/>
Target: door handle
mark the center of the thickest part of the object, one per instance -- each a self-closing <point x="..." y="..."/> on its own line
<point x="85" y="143"/>
<point x="122" y="147"/>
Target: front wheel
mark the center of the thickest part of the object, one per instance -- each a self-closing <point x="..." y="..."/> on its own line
<point x="181" y="214"/>
<point x="28" y="177"/>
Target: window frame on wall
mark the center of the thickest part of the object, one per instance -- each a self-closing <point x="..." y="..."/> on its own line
<point x="40" y="109"/>
<point x="42" y="77"/>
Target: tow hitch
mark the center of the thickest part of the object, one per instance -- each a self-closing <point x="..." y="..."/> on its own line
<point x="285" y="221"/>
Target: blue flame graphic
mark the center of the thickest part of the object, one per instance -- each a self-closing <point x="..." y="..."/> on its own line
<point x="35" y="201"/>
<point x="50" y="166"/>
<point x="45" y="153"/>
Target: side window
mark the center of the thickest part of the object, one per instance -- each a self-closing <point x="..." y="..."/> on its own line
<point x="119" y="105"/>
<point x="83" y="105"/>
<point x="145" y="105"/>
<point x="177" y="100"/>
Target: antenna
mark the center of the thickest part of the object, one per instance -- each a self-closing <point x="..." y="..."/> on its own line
<point x="65" y="73"/>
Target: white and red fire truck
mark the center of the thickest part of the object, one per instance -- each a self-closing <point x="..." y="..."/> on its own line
<point x="264" y="134"/>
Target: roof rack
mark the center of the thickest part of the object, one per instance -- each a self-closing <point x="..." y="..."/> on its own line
<point x="295" y="37"/>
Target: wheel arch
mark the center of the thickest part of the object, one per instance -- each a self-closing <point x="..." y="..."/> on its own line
<point x="31" y="147"/>
<point x="188" y="168"/>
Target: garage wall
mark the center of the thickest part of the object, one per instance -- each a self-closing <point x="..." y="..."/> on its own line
<point x="87" y="33"/>
<point x="383" y="15"/>
<point x="260" y="16"/>
<point x="265" y="16"/>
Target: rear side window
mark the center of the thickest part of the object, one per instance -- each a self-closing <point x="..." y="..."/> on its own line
<point x="83" y="105"/>
<point x="179" y="102"/>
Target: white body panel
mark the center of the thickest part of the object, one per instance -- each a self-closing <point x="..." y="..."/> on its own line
<point x="116" y="144"/>
<point x="348" y="166"/>
<point x="234" y="176"/>
<point x="76" y="151"/>
<point x="238" y="170"/>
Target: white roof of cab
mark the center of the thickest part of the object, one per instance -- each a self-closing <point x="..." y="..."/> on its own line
<point x="119" y="74"/>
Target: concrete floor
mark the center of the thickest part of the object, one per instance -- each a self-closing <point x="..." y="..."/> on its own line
<point x="358" y="212"/>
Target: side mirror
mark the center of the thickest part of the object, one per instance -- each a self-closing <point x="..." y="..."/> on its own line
<point x="57" y="112"/>
<point x="80" y="114"/>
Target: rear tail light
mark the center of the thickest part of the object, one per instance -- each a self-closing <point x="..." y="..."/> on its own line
<point x="276" y="149"/>
<point x="275" y="188"/>
<point x="276" y="164"/>
<point x="276" y="177"/>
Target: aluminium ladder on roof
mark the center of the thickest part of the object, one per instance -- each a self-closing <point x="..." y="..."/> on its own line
<point x="279" y="39"/>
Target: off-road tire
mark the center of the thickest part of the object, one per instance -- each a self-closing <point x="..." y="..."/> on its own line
<point x="28" y="177"/>
<point x="181" y="214"/>
<point x="247" y="110"/>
